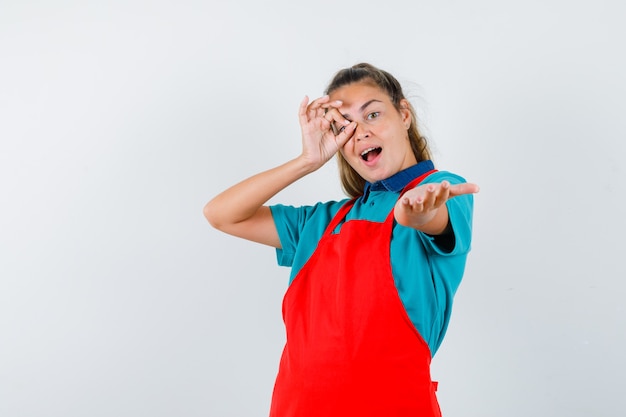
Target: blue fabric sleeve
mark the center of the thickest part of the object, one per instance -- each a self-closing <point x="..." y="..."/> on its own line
<point x="460" y="213"/>
<point x="289" y="223"/>
<point x="299" y="230"/>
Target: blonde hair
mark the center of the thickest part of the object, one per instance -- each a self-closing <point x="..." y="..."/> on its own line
<point x="351" y="182"/>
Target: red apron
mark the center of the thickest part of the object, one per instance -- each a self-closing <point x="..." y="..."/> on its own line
<point x="351" y="348"/>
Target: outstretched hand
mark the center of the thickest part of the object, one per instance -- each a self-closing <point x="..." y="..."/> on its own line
<point x="324" y="129"/>
<point x="419" y="206"/>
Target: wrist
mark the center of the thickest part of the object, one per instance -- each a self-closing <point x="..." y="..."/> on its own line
<point x="306" y="164"/>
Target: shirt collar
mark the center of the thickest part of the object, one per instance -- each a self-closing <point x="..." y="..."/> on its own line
<point x="398" y="181"/>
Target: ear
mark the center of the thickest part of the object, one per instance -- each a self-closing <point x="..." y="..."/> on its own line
<point x="405" y="112"/>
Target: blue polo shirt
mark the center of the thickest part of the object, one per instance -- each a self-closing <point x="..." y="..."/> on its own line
<point x="425" y="274"/>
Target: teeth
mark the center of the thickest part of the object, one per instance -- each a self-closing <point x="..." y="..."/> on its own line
<point x="365" y="152"/>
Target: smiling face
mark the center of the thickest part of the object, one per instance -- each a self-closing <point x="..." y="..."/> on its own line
<point x="380" y="145"/>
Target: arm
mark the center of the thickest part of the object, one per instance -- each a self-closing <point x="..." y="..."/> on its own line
<point x="424" y="207"/>
<point x="241" y="211"/>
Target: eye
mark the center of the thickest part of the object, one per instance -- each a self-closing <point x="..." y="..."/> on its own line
<point x="373" y="115"/>
<point x="337" y="129"/>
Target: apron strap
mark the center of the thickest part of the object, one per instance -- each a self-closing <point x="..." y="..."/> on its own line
<point x="343" y="211"/>
<point x="341" y="214"/>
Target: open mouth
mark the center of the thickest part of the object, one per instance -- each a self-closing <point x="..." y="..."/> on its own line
<point x="370" y="153"/>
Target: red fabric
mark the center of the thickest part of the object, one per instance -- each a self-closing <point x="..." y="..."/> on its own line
<point x="351" y="348"/>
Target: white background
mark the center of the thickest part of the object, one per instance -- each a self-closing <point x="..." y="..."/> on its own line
<point x="120" y="119"/>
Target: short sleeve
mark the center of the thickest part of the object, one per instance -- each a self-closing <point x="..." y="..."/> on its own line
<point x="289" y="223"/>
<point x="299" y="229"/>
<point x="460" y="210"/>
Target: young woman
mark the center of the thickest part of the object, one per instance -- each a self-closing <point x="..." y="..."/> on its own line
<point x="373" y="276"/>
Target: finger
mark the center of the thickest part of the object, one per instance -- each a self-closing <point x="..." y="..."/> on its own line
<point x="332" y="104"/>
<point x="318" y="103"/>
<point x="303" y="108"/>
<point x="332" y="114"/>
<point x="465" y="188"/>
<point x="443" y="193"/>
<point x="337" y="121"/>
<point x="342" y="137"/>
<point x="314" y="109"/>
<point x="430" y="198"/>
<point x="414" y="201"/>
<point x="408" y="202"/>
<point x="417" y="205"/>
<point x="325" y="124"/>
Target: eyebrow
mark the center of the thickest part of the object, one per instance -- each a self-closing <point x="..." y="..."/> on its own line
<point x="363" y="107"/>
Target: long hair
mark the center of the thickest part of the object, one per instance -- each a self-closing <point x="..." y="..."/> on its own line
<point x="351" y="182"/>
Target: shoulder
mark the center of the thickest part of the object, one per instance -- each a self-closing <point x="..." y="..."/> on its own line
<point x="439" y="176"/>
<point x="300" y="228"/>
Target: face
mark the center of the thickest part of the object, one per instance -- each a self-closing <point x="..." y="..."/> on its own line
<point x="380" y="144"/>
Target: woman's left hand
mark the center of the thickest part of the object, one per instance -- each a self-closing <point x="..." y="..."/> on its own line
<point x="423" y="207"/>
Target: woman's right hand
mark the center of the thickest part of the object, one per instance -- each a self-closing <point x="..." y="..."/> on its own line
<point x="319" y="141"/>
<point x="241" y="210"/>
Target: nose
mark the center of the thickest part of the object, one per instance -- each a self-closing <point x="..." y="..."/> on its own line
<point x="362" y="132"/>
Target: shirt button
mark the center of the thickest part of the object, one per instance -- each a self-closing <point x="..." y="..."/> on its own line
<point x="372" y="204"/>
